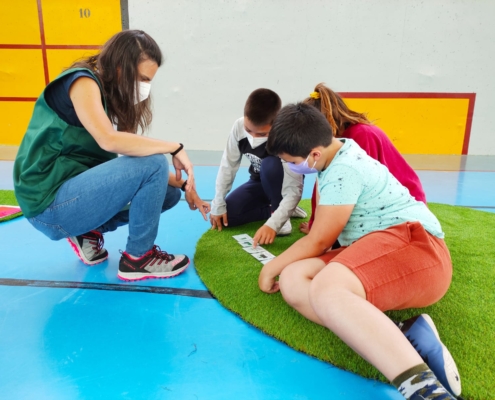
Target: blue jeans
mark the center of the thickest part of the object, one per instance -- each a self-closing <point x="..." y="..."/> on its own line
<point x="98" y="198"/>
<point x="257" y="200"/>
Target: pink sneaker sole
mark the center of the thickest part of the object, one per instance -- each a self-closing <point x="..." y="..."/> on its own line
<point x="75" y="247"/>
<point x="148" y="276"/>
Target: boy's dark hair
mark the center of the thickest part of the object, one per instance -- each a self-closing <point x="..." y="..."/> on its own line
<point x="262" y="106"/>
<point x="297" y="130"/>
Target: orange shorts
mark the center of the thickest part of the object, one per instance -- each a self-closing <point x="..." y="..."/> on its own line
<point x="400" y="267"/>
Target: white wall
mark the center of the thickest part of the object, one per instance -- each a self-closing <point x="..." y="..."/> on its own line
<point x="217" y="52"/>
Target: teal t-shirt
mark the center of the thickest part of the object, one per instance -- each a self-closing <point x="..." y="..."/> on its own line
<point x="380" y="201"/>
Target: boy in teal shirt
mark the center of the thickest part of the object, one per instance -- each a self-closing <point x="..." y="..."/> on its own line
<point x="392" y="257"/>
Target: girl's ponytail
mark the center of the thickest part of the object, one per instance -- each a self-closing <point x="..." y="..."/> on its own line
<point x="331" y="105"/>
<point x="326" y="106"/>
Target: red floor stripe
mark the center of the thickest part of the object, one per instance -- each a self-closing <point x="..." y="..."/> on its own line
<point x="43" y="48"/>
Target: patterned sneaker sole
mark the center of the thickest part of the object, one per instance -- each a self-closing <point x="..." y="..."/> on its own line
<point x="137" y="276"/>
<point x="449" y="367"/>
<point x="80" y="254"/>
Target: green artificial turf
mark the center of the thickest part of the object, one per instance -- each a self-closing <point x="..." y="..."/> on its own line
<point x="464" y="316"/>
<point x="7" y="198"/>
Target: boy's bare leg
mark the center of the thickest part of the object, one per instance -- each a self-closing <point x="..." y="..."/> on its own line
<point x="338" y="299"/>
<point x="294" y="284"/>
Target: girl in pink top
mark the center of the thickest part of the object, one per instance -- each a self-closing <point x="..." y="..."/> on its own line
<point x="353" y="125"/>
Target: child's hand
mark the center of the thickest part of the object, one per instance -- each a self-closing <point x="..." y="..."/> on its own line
<point x="304" y="227"/>
<point x="266" y="281"/>
<point x="217" y="221"/>
<point x="264" y="235"/>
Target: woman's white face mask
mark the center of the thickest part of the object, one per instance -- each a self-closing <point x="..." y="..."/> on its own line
<point x="144" y="92"/>
<point x="256" y="141"/>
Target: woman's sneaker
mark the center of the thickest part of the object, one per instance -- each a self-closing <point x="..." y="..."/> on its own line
<point x="89" y="247"/>
<point x="423" y="335"/>
<point x="154" y="264"/>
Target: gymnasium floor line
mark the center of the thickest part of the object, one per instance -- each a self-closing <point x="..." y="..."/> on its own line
<point x="466" y="206"/>
<point x="204" y="294"/>
<point x="425" y="162"/>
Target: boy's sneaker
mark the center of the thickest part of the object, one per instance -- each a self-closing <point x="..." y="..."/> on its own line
<point x="286" y="229"/>
<point x="89" y="247"/>
<point x="154" y="264"/>
<point x="423" y="335"/>
<point x="299" y="213"/>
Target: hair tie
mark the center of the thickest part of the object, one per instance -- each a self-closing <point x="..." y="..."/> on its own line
<point x="314" y="95"/>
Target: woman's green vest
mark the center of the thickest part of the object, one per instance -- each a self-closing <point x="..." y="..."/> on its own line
<point x="51" y="153"/>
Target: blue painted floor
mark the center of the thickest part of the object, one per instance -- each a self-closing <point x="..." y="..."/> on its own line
<point x="78" y="343"/>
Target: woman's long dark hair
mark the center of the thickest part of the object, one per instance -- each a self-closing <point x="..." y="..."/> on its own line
<point x="116" y="66"/>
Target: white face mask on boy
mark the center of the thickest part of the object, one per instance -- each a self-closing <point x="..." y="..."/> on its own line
<point x="144" y="92"/>
<point x="256" y="141"/>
